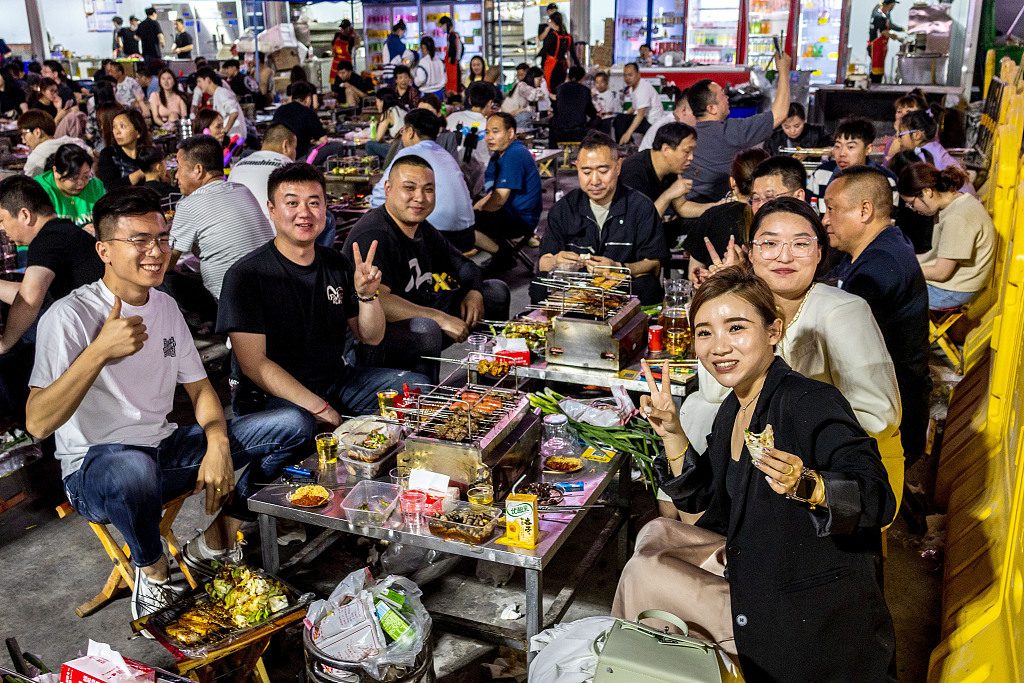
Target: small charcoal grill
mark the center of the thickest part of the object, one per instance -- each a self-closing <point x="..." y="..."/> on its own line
<point x="596" y="323"/>
<point x="463" y="438"/>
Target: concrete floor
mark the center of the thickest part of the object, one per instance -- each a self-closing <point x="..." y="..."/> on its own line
<point x="48" y="566"/>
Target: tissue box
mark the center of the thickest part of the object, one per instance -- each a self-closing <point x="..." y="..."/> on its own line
<point x="99" y="670"/>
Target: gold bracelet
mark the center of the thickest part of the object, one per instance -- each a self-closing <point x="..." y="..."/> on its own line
<point x="675" y="458"/>
<point x="821" y="482"/>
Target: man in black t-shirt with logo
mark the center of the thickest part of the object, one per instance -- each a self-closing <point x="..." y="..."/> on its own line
<point x="289" y="305"/>
<point x="182" y="40"/>
<point x="129" y="41"/>
<point x="431" y="293"/>
<point x="61" y="257"/>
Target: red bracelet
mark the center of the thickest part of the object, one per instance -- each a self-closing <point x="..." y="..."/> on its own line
<point x="327" y="404"/>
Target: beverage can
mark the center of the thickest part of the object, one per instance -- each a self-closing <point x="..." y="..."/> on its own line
<point x="655" y="338"/>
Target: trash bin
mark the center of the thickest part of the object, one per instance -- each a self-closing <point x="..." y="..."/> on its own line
<point x="349" y="672"/>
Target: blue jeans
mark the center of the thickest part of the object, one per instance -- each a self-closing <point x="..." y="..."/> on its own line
<point x="379" y="149"/>
<point x="353" y="392"/>
<point x="939" y="299"/>
<point x="127" y="485"/>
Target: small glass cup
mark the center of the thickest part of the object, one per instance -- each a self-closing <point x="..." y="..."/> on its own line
<point x="327" y="448"/>
<point x="477" y="342"/>
<point x="413" y="504"/>
<point x="399" y="479"/>
<point x="480" y="496"/>
<point x="386" y="401"/>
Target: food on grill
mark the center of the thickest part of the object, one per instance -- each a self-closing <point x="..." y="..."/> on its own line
<point x="609" y="280"/>
<point x="496" y="368"/>
<point x="756" y="443"/>
<point x="456" y="426"/>
<point x="587" y="303"/>
<point x="310" y="496"/>
<point x="558" y="463"/>
<point x="463" y="525"/>
<point x="237" y="599"/>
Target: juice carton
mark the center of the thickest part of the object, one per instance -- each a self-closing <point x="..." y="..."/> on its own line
<point x="521" y="520"/>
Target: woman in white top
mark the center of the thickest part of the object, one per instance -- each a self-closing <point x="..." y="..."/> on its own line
<point x="391" y="121"/>
<point x="525" y="95"/>
<point x="429" y="75"/>
<point x="829" y="335"/>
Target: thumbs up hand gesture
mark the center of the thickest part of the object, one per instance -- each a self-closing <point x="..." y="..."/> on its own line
<point x="119" y="336"/>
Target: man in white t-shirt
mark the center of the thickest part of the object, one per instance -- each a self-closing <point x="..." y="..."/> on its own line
<point x="223" y="100"/>
<point x="108" y="358"/>
<point x="37" y="129"/>
<point x="253" y="171"/>
<point x="682" y="113"/>
<point x="646" y="109"/>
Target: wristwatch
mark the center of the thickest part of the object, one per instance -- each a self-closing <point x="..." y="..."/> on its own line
<point x="803" y="492"/>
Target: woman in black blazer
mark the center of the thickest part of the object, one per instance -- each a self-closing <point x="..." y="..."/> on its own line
<point x="793" y="585"/>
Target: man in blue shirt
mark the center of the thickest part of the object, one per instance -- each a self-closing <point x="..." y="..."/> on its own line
<point x="453" y="216"/>
<point x="511" y="208"/>
<point x="879" y="265"/>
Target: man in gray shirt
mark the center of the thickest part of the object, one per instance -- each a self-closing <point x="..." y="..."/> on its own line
<point x="218" y="221"/>
<point x="720" y="139"/>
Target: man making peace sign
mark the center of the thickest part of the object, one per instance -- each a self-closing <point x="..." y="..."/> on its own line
<point x="289" y="305"/>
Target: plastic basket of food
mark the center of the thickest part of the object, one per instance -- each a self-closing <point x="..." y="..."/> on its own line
<point x="236" y="601"/>
<point x="465" y="523"/>
<point x="370" y="502"/>
<point x="367" y="438"/>
<point x="367" y="470"/>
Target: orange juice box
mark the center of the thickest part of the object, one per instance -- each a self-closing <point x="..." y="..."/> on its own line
<point x="521" y="520"/>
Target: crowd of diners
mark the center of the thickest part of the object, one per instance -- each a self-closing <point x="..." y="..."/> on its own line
<point x="810" y="314"/>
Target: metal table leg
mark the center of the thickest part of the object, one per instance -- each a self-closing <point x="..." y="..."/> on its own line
<point x="534" y="607"/>
<point x="268" y="544"/>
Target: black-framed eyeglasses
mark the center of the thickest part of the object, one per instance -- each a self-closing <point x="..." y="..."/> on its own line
<point x="144" y="244"/>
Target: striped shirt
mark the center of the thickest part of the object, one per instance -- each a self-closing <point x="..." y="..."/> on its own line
<point x="220" y="222"/>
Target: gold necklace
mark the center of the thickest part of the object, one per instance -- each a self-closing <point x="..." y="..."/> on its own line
<point x="800" y="309"/>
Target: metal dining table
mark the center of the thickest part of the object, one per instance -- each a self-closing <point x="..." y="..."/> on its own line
<point x="555" y="529"/>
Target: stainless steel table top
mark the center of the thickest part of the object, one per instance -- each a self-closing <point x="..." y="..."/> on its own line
<point x="554" y="528"/>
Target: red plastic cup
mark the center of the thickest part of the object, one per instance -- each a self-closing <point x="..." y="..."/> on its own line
<point x="655" y="338"/>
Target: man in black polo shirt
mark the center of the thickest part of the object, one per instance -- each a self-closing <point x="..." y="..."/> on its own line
<point x="574" y="109"/>
<point x="657" y="172"/>
<point x="879" y="265"/>
<point x="182" y="40"/>
<point x="151" y="37"/>
<point x="300" y="117"/>
<point x="604" y="223"/>
<point x="241" y="84"/>
<point x="61" y="257"/>
<point x="431" y="293"/>
<point x="289" y="305"/>
<point x="129" y="40"/>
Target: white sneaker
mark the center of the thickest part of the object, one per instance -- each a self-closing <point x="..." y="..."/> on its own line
<point x="150" y="596"/>
<point x="200" y="557"/>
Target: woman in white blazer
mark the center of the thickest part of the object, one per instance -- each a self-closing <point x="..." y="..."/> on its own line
<point x="429" y="75"/>
<point x="829" y="335"/>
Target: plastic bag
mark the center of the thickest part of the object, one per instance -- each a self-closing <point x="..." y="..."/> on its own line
<point x="421" y="565"/>
<point x="602" y="412"/>
<point x="353" y="615"/>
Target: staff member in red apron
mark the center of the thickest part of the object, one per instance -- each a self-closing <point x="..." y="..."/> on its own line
<point x="879" y="33"/>
<point x="345" y="43"/>
<point x="452" y="56"/>
<point x="557" y="44"/>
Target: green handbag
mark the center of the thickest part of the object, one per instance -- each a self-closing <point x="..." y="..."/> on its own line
<point x="635" y="653"/>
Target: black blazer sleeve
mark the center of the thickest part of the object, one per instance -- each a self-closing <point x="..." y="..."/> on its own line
<point x="831" y="441"/>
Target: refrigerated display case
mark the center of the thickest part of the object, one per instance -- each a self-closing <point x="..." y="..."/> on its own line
<point x="820" y="38"/>
<point x="378" y="20"/>
<point x="768" y="20"/>
<point x="712" y="31"/>
<point x="631" y="29"/>
<point x="505" y="36"/>
<point x="668" y="27"/>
